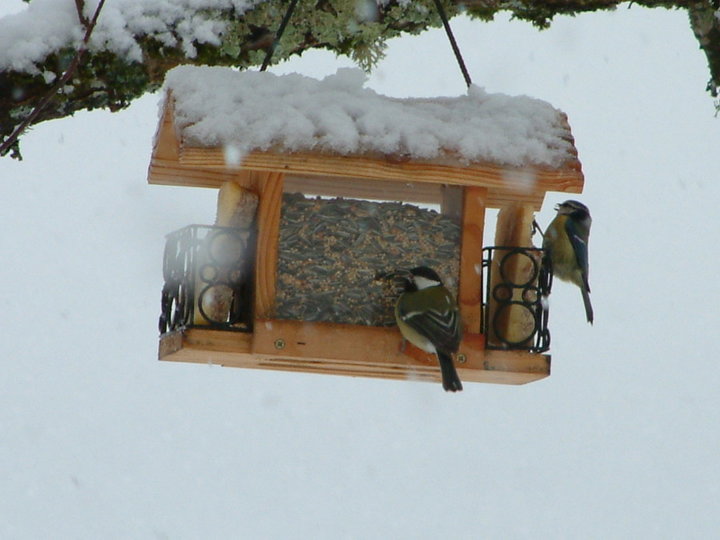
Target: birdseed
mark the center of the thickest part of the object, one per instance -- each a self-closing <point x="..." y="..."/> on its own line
<point x="330" y="251"/>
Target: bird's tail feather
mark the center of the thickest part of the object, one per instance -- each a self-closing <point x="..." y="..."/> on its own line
<point x="588" y="306"/>
<point x="450" y="379"/>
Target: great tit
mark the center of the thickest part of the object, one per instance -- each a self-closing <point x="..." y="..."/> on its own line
<point x="566" y="244"/>
<point x="428" y="317"/>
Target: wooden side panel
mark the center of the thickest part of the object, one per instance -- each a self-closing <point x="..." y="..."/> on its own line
<point x="527" y="184"/>
<point x="451" y="204"/>
<point x="354" y="350"/>
<point x="470" y="290"/>
<point x="204" y="346"/>
<point x="351" y="343"/>
<point x="514" y="367"/>
<point x="366" y="347"/>
<point x="168" y="173"/>
<point x="268" y="220"/>
<point x="167" y="141"/>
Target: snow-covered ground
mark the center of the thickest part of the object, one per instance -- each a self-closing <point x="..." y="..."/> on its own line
<point x="100" y="440"/>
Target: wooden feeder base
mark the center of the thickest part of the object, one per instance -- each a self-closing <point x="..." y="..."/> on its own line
<point x="357" y="351"/>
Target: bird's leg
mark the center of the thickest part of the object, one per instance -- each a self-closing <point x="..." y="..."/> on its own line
<point x="536" y="228"/>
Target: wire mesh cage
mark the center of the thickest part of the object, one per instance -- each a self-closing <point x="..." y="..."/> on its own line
<point x="514" y="304"/>
<point x="208" y="279"/>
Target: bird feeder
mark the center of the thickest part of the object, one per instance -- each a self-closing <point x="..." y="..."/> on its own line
<point x="309" y="173"/>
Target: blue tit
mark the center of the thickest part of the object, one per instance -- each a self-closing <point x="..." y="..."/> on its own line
<point x="566" y="244"/>
<point x="429" y="318"/>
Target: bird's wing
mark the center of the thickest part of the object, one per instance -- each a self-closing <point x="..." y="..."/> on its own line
<point x="579" y="247"/>
<point x="442" y="325"/>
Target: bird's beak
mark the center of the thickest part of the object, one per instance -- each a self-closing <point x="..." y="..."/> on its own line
<point x="557" y="207"/>
<point x="393" y="274"/>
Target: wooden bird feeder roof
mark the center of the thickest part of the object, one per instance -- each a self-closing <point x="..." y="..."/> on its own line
<point x="335" y="137"/>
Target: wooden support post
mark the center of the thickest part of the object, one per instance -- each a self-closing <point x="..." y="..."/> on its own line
<point x="471" y="242"/>
<point x="266" y="256"/>
<point x="514" y="322"/>
<point x="451" y="203"/>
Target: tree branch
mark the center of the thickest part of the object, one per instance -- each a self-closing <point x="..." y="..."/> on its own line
<point x="80" y="7"/>
<point x="106" y="79"/>
<point x="706" y="27"/>
<point x="11" y="141"/>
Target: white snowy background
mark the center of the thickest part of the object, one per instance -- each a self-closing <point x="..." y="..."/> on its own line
<point x="100" y="440"/>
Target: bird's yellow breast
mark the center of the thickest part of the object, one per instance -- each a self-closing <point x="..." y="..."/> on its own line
<point x="562" y="254"/>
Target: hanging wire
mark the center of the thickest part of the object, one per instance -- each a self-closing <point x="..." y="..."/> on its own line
<point x="453" y="43"/>
<point x="441" y="11"/>
<point x="279" y="34"/>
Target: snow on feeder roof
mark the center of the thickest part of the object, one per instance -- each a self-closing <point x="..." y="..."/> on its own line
<point x="294" y="113"/>
<point x="220" y="119"/>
